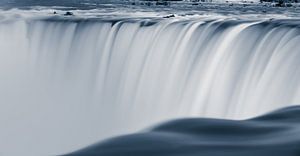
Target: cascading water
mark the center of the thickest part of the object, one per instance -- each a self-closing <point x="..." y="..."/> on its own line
<point x="65" y="81"/>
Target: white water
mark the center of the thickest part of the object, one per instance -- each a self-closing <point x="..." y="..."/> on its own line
<point x="65" y="84"/>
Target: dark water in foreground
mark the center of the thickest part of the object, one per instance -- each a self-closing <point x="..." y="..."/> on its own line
<point x="274" y="134"/>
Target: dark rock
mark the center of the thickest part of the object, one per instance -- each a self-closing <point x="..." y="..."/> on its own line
<point x="169" y="16"/>
<point x="68" y="13"/>
<point x="280" y="3"/>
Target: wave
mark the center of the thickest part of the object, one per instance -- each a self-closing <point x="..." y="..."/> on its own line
<point x="273" y="134"/>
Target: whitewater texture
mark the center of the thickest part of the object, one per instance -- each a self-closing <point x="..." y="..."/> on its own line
<point x="274" y="134"/>
<point x="69" y="81"/>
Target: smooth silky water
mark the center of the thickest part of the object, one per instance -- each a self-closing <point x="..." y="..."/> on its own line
<point x="70" y="81"/>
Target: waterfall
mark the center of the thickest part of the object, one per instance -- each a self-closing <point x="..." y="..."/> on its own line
<point x="67" y="83"/>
